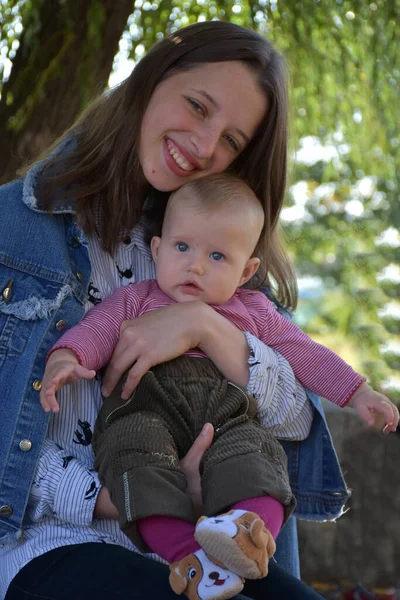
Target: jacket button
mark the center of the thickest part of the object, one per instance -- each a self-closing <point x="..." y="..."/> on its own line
<point x="60" y="325"/>
<point x="79" y="276"/>
<point x="25" y="445"/>
<point x="37" y="385"/>
<point x="5" y="511"/>
<point x="76" y="242"/>
<point x="7" y="292"/>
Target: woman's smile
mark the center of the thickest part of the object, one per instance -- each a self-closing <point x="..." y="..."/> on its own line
<point x="197" y="123"/>
<point x="178" y="157"/>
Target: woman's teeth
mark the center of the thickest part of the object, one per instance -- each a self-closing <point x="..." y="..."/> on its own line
<point x="178" y="158"/>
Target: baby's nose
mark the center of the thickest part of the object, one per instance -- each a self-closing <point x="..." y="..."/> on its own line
<point x="197" y="268"/>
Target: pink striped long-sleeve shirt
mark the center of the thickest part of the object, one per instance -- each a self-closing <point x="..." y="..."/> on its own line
<point x="93" y="340"/>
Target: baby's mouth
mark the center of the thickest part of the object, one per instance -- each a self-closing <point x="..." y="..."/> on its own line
<point x="191" y="284"/>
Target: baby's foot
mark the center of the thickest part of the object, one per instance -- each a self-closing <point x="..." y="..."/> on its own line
<point x="199" y="578"/>
<point x="239" y="540"/>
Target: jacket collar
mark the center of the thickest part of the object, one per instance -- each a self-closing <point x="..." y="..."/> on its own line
<point x="32" y="201"/>
<point x="30" y="188"/>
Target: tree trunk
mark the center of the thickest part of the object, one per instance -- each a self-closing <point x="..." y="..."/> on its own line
<point x="65" y="57"/>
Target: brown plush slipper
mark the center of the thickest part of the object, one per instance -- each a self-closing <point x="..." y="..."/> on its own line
<point x="239" y="539"/>
<point x="199" y="578"/>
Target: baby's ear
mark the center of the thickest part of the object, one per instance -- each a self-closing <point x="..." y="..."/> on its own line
<point x="154" y="245"/>
<point x="249" y="270"/>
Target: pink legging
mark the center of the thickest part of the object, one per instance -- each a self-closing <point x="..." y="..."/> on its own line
<point x="173" y="538"/>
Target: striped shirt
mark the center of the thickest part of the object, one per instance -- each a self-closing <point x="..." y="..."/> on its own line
<point x="93" y="340"/>
<point x="65" y="487"/>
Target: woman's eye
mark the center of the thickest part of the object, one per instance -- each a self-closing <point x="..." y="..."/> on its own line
<point x="197" y="107"/>
<point x="217" y="256"/>
<point x="232" y="143"/>
<point x="182" y="247"/>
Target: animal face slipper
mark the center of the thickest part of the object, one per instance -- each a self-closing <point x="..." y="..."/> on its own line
<point x="239" y="540"/>
<point x="199" y="578"/>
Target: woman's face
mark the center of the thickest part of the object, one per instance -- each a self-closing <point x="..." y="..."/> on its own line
<point x="198" y="121"/>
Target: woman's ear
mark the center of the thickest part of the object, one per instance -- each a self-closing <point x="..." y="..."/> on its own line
<point x="154" y="245"/>
<point x="249" y="270"/>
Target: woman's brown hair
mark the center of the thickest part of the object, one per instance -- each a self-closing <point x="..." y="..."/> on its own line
<point x="103" y="169"/>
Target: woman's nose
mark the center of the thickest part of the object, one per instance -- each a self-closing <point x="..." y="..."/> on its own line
<point x="205" y="141"/>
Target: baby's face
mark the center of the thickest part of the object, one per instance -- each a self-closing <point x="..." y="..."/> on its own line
<point x="202" y="255"/>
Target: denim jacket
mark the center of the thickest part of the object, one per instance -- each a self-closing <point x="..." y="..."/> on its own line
<point x="44" y="279"/>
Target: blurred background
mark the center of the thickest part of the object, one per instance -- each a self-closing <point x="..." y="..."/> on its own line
<point x="342" y="215"/>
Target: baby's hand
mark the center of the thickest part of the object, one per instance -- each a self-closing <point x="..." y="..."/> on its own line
<point x="367" y="403"/>
<point x="62" y="368"/>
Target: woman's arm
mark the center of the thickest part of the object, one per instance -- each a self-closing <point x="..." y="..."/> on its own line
<point x="282" y="403"/>
<point x="63" y="487"/>
<point x="168" y="332"/>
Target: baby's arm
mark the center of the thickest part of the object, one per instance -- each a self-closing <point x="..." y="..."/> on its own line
<point x="62" y="368"/>
<point x="86" y="347"/>
<point x="325" y="373"/>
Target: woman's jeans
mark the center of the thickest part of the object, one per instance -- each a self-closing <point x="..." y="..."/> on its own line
<point x="287" y="548"/>
<point x="110" y="572"/>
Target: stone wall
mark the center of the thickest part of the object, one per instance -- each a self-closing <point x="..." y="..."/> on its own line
<point x="364" y="544"/>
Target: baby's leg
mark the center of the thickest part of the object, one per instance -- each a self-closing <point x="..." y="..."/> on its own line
<point x="244" y="462"/>
<point x="192" y="572"/>
<point x="169" y="537"/>
<point x="243" y="539"/>
<point x="267" y="508"/>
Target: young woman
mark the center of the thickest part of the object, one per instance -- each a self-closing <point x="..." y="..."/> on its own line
<point x="209" y="97"/>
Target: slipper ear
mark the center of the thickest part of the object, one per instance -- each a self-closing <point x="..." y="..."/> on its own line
<point x="177" y="582"/>
<point x="257" y="533"/>
<point x="200" y="519"/>
<point x="271" y="546"/>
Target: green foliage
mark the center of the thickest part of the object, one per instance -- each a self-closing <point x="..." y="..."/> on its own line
<point x="343" y="58"/>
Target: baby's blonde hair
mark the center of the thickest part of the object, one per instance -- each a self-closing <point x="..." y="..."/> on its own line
<point x="221" y="192"/>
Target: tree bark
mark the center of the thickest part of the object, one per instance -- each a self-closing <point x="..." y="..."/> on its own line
<point x="64" y="59"/>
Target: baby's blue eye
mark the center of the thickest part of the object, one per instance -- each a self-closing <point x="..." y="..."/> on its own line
<point x="217" y="256"/>
<point x="182" y="247"/>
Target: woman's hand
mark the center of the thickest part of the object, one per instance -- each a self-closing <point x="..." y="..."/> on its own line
<point x="104" y="508"/>
<point x="168" y="332"/>
<point x="151" y="339"/>
<point x="190" y="465"/>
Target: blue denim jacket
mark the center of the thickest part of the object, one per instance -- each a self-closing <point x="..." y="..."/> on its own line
<point x="44" y="278"/>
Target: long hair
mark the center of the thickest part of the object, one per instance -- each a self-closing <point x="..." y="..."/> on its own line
<point x="103" y="169"/>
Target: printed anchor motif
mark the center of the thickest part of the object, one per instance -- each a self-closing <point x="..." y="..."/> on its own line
<point x="94" y="294"/>
<point x="91" y="491"/>
<point x="84" y="438"/>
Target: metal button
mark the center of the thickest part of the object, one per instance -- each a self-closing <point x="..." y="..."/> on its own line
<point x="79" y="276"/>
<point x="5" y="511"/>
<point x="7" y="292"/>
<point x="76" y="242"/>
<point x="25" y="445"/>
<point x="60" y="325"/>
<point x="37" y="385"/>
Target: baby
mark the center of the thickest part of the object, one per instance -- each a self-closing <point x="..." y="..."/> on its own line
<point x="206" y="253"/>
